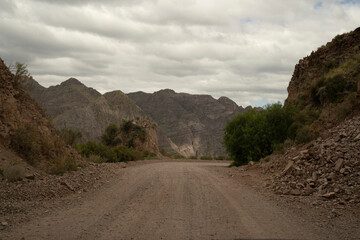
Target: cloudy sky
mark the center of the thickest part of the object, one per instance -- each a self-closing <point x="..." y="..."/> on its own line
<point x="242" y="49"/>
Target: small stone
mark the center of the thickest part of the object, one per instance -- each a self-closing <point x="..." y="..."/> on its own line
<point x="338" y="165"/>
<point x="295" y="192"/>
<point x="30" y="176"/>
<point x="328" y="195"/>
<point x="314" y="176"/>
<point x="288" y="166"/>
<point x="4" y="224"/>
<point x="67" y="185"/>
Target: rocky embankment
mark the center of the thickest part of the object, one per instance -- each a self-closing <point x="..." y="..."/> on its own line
<point x="328" y="167"/>
<point x="40" y="193"/>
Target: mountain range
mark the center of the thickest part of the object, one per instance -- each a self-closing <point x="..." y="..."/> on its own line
<point x="188" y="125"/>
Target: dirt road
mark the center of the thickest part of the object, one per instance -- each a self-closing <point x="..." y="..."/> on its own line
<point x="170" y="200"/>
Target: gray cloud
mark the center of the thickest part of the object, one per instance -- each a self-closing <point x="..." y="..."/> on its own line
<point x="245" y="50"/>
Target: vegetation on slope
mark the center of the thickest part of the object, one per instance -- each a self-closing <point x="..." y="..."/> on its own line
<point x="118" y="144"/>
<point x="323" y="92"/>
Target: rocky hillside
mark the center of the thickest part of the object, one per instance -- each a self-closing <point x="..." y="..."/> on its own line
<point x="191" y="125"/>
<point x="25" y="129"/>
<point x="77" y="107"/>
<point x="323" y="86"/>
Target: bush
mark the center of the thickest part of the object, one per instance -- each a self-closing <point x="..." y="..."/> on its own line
<point x="109" y="154"/>
<point x="111" y="136"/>
<point x="177" y="156"/>
<point x="303" y="135"/>
<point x="69" y="136"/>
<point x="14" y="173"/>
<point x="95" y="159"/>
<point x="206" y="158"/>
<point x="125" y="154"/>
<point x="24" y="141"/>
<point x="130" y="132"/>
<point x="63" y="165"/>
<point x="255" y="134"/>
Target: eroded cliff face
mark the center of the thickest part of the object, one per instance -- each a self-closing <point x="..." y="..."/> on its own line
<point x="191" y="125"/>
<point x="24" y="127"/>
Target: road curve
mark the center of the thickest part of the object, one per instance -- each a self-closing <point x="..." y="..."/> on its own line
<point x="169" y="200"/>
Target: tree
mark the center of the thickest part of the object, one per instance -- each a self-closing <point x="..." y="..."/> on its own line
<point x="246" y="137"/>
<point x="255" y="134"/>
<point x="19" y="70"/>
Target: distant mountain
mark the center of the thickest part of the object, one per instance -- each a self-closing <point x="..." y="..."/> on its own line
<point x="191" y="125"/>
<point x="75" y="106"/>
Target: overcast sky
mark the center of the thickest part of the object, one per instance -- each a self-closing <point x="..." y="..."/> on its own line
<point x="242" y="49"/>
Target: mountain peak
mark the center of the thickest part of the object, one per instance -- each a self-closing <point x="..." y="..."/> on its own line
<point x="166" y="91"/>
<point x="72" y="81"/>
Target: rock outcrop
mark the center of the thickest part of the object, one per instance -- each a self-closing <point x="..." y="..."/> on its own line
<point x="324" y="84"/>
<point x="191" y="125"/>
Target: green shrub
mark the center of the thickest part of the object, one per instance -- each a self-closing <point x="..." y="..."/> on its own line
<point x="149" y="155"/>
<point x="110" y="154"/>
<point x="95" y="159"/>
<point x="125" y="154"/>
<point x="111" y="136"/>
<point x="99" y="149"/>
<point x="14" y="173"/>
<point x="247" y="137"/>
<point x="69" y="136"/>
<point x="177" y="156"/>
<point x="346" y="108"/>
<point x="24" y="142"/>
<point x="130" y="132"/>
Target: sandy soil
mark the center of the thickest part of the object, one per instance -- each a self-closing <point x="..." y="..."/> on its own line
<point x="173" y="200"/>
